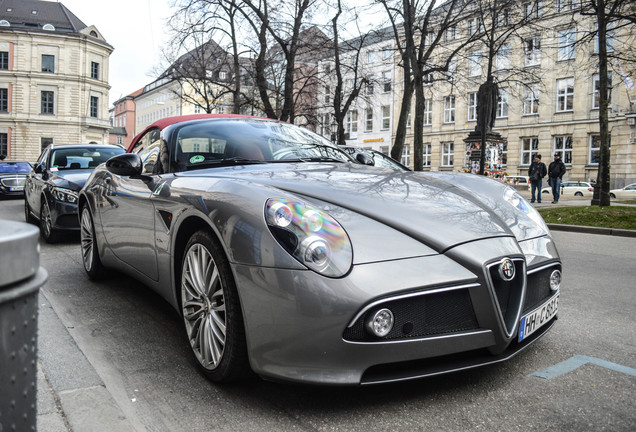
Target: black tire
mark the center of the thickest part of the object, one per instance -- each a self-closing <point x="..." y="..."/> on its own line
<point x="49" y="234"/>
<point x="612" y="195"/>
<point x="578" y="194"/>
<point x="545" y="192"/>
<point x="28" y="217"/>
<point x="221" y="357"/>
<point x="90" y="254"/>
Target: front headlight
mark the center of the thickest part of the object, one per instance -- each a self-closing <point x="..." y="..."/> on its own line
<point x="65" y="195"/>
<point x="311" y="236"/>
<point x="514" y="198"/>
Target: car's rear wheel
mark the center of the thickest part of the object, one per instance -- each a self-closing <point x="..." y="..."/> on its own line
<point x="49" y="234"/>
<point x="28" y="217"/>
<point x="212" y="311"/>
<point x="90" y="255"/>
<point x="578" y="194"/>
<point x="612" y="195"/>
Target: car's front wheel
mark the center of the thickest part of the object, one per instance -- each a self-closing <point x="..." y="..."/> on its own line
<point x="90" y="254"/>
<point x="49" y="234"/>
<point x="212" y="311"/>
<point x="28" y="217"/>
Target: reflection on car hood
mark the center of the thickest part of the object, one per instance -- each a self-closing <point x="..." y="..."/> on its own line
<point x="70" y="179"/>
<point x="430" y="209"/>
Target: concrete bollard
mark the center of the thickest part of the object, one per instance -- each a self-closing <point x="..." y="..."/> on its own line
<point x="20" y="280"/>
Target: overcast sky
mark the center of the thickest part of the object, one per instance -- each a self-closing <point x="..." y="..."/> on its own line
<point x="136" y="30"/>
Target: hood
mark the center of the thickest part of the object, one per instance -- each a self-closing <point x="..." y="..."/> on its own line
<point x="70" y="179"/>
<point x="427" y="208"/>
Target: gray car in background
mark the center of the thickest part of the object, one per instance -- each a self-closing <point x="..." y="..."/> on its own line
<point x="286" y="259"/>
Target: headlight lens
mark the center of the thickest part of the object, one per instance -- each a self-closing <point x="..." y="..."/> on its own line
<point x="515" y="199"/>
<point x="65" y="195"/>
<point x="311" y="236"/>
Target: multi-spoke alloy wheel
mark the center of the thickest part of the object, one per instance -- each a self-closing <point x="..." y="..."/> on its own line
<point x="211" y="310"/>
<point x="46" y="223"/>
<point x="90" y="256"/>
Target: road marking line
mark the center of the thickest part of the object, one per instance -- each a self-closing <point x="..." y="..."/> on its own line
<point x="577" y="361"/>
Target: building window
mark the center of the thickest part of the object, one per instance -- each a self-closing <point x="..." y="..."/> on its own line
<point x="565" y="94"/>
<point x="386" y="117"/>
<point x="452" y="70"/>
<point x="94" y="106"/>
<point x="596" y="92"/>
<point x="369" y="122"/>
<point x="120" y="140"/>
<point x="595" y="150"/>
<point x="352" y="123"/>
<point x="222" y="75"/>
<point x="449" y="109"/>
<point x="566" y="41"/>
<point x="451" y="33"/>
<point x="386" y="82"/>
<point x="4" y="60"/>
<point x="48" y="63"/>
<point x="48" y="102"/>
<point x="502" y="103"/>
<point x="327" y="93"/>
<point x="531" y="99"/>
<point x="406" y="156"/>
<point x="4" y="100"/>
<point x="529" y="148"/>
<point x="94" y="70"/>
<point x="428" y="78"/>
<point x="44" y="143"/>
<point x="370" y="85"/>
<point x="565" y="5"/>
<point x="408" y="121"/>
<point x="532" y="49"/>
<point x="448" y="154"/>
<point x="533" y="10"/>
<point x="426" y="155"/>
<point x="563" y="146"/>
<point x="370" y="56"/>
<point x="609" y="40"/>
<point x="428" y="112"/>
<point x="474" y="64"/>
<point x="387" y="53"/>
<point x="502" y="59"/>
<point x="4" y="144"/>
<point x="471" y="26"/>
<point x="472" y="106"/>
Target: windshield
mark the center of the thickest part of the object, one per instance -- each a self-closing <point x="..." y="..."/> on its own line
<point x="15" y="167"/>
<point x="223" y="141"/>
<point x="81" y="158"/>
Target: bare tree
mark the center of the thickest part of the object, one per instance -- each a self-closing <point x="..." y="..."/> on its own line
<point x="610" y="16"/>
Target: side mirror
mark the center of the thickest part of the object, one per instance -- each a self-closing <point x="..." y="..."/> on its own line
<point x="365" y="159"/>
<point x="38" y="169"/>
<point x="125" y="164"/>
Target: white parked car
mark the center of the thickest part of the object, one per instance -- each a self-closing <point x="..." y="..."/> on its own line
<point x="573" y="188"/>
<point x="628" y="192"/>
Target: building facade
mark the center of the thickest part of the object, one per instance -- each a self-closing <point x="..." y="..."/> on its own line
<point x="548" y="100"/>
<point x="53" y="79"/>
<point x="122" y="119"/>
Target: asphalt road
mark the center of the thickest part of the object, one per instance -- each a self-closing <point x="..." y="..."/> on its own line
<point x="133" y="350"/>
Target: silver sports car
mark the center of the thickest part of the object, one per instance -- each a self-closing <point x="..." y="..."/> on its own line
<point x="286" y="258"/>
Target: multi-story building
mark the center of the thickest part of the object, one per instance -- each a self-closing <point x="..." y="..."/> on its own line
<point x="53" y="79"/>
<point x="548" y="99"/>
<point x="369" y="120"/>
<point x="123" y="120"/>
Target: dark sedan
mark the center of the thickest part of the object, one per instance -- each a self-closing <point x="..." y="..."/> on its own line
<point x="51" y="188"/>
<point x="12" y="177"/>
<point x="285" y="258"/>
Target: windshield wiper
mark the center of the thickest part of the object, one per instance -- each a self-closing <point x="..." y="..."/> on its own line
<point x="224" y="162"/>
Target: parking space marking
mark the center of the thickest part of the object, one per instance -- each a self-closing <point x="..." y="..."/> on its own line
<point x="577" y="361"/>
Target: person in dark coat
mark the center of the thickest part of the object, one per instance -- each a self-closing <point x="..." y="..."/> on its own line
<point x="536" y="173"/>
<point x="556" y="170"/>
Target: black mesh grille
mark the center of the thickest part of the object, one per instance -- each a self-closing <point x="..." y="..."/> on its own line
<point x="424" y="315"/>
<point x="538" y="288"/>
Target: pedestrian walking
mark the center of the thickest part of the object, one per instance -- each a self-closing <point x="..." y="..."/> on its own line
<point x="536" y="173"/>
<point x="556" y="170"/>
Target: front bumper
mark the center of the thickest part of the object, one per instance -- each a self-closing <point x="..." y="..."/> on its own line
<point x="297" y="322"/>
<point x="64" y="216"/>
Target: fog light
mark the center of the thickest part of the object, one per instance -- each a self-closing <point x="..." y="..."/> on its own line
<point x="381" y="322"/>
<point x="555" y="280"/>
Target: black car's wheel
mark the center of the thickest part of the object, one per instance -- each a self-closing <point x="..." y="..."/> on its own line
<point x="49" y="234"/>
<point x="28" y="217"/>
<point x="90" y="254"/>
<point x="578" y="194"/>
<point x="211" y="310"/>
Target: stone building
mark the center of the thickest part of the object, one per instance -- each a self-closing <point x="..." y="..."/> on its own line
<point x="548" y="100"/>
<point x="53" y="79"/>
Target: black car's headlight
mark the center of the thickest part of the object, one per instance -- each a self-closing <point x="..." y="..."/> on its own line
<point x="311" y="236"/>
<point x="65" y="195"/>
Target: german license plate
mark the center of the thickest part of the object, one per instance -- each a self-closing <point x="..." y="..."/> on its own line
<point x="17" y="188"/>
<point x="533" y="321"/>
